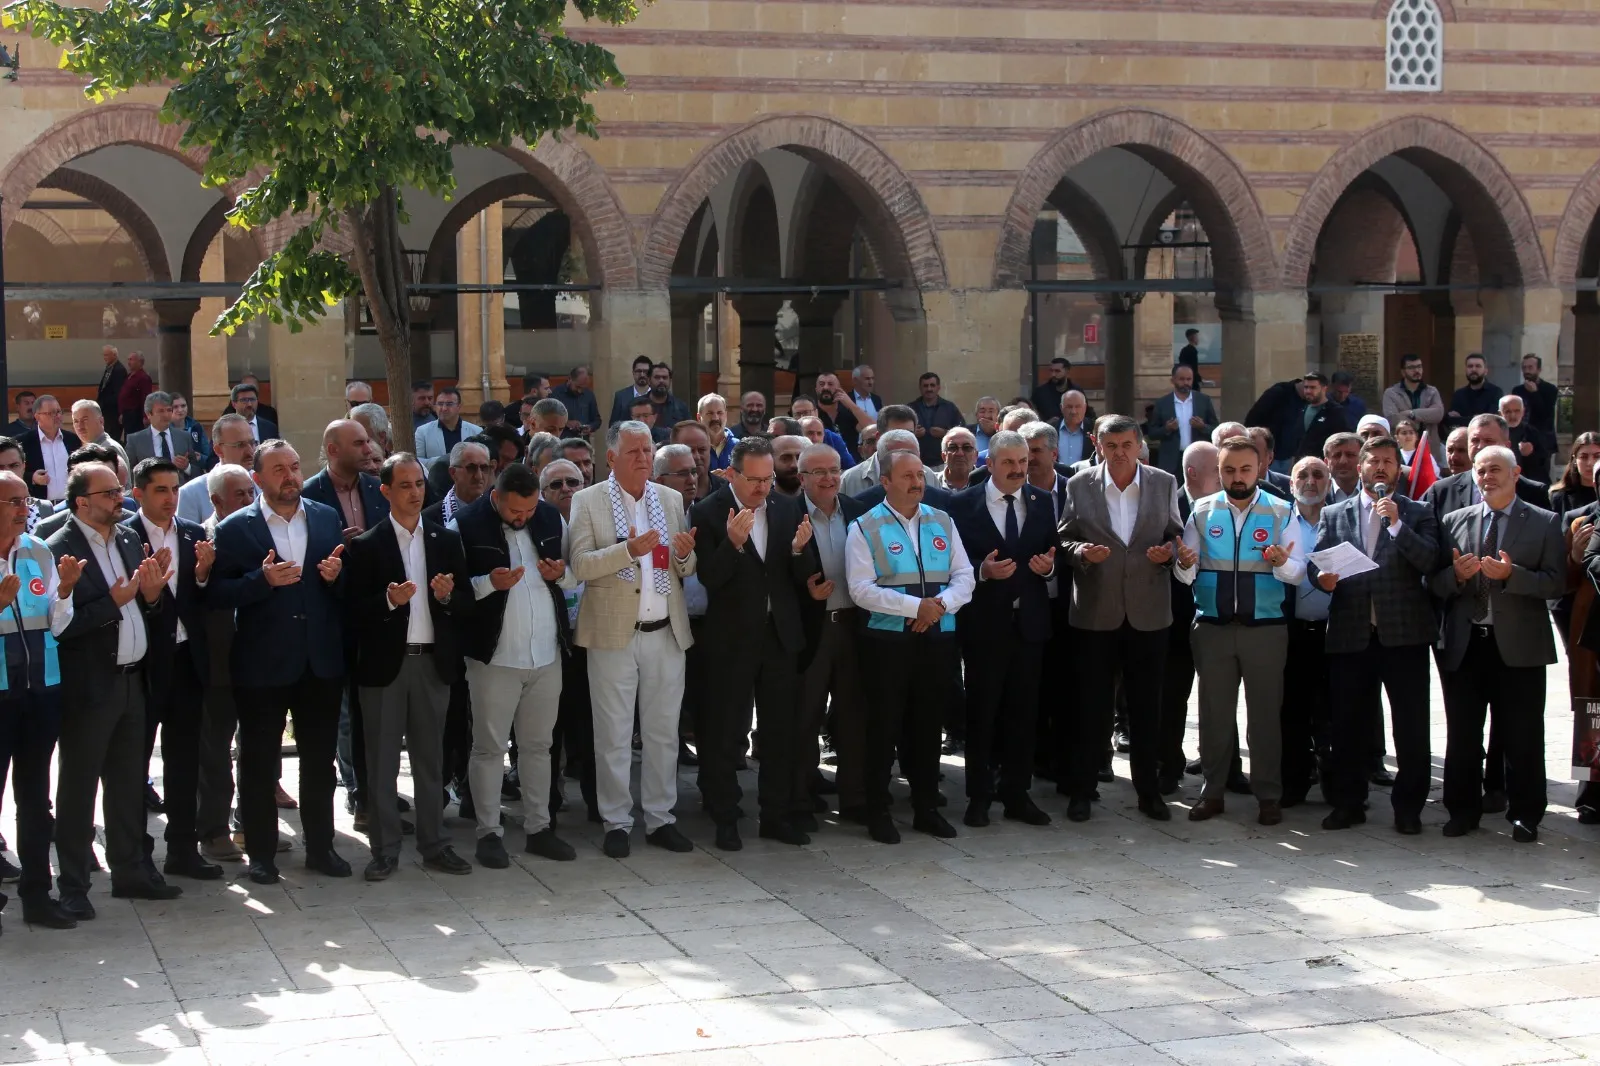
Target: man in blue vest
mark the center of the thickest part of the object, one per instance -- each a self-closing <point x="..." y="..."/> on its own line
<point x="907" y="570"/>
<point x="1244" y="554"/>
<point x="33" y="603"/>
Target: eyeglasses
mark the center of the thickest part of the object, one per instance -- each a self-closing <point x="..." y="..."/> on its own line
<point x="819" y="473"/>
<point x="691" y="472"/>
<point x="19" y="501"/>
<point x="960" y="447"/>
<point x="565" y="483"/>
<point x="757" y="481"/>
<point x="103" y="492"/>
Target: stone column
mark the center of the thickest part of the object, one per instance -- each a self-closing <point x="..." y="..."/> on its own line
<point x="307" y="373"/>
<point x="175" y="318"/>
<point x="630" y="321"/>
<point x="1263" y="341"/>
<point x="728" y="330"/>
<point x="971" y="338"/>
<point x="1118" y="320"/>
<point x="471" y="250"/>
<point x="208" y="355"/>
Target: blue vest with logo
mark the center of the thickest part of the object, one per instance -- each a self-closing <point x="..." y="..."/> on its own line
<point x="25" y="626"/>
<point x="1234" y="583"/>
<point x="921" y="570"/>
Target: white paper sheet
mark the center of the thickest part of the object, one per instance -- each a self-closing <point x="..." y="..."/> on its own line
<point x="1344" y="559"/>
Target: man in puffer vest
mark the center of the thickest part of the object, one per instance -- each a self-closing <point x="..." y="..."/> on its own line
<point x="34" y="603"/>
<point x="1244" y="554"/>
<point x="909" y="575"/>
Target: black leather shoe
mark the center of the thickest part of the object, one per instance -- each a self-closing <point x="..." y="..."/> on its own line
<point x="380" y="868"/>
<point x="1024" y="810"/>
<point x="1078" y="810"/>
<point x="685" y="756"/>
<point x="977" y="815"/>
<point x="190" y="864"/>
<point x="262" y="873"/>
<point x="805" y="822"/>
<point x="1152" y="807"/>
<point x="47" y="914"/>
<point x="1292" y="799"/>
<point x="402" y="804"/>
<point x="1382" y="777"/>
<point x="822" y="785"/>
<point x="854" y="813"/>
<point x="1589" y="815"/>
<point x="1458" y="827"/>
<point x="152" y="799"/>
<point x="407" y="827"/>
<point x="491" y="852"/>
<point x="1194" y="769"/>
<point x="327" y="861"/>
<point x="1167" y="786"/>
<point x="10" y="872"/>
<point x="933" y="823"/>
<point x="1342" y="818"/>
<point x="1495" y="802"/>
<point x="1408" y="824"/>
<point x="1106" y="774"/>
<point x="669" y="837"/>
<point x="446" y="861"/>
<point x="1523" y="833"/>
<point x="783" y="832"/>
<point x="1239" y="783"/>
<point x="77" y="907"/>
<point x="157" y="890"/>
<point x="547" y="845"/>
<point x="616" y="844"/>
<point x="881" y="827"/>
<point x="728" y="839"/>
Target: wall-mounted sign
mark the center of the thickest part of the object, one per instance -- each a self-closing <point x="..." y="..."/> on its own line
<point x="1091" y="333"/>
<point x="55" y="333"/>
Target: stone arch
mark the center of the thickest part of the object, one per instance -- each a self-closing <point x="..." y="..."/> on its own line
<point x="129" y="215"/>
<point x="1469" y="174"/>
<point x="1372" y="223"/>
<point x="1573" y="232"/>
<point x="571" y="177"/>
<point x="1094" y="229"/>
<point x="1211" y="179"/>
<point x="467" y="208"/>
<point x="205" y="231"/>
<point x="891" y="207"/>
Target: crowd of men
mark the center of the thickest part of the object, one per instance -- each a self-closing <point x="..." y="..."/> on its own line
<point x="887" y="583"/>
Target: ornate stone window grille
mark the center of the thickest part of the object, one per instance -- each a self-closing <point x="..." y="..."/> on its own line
<point x="1415" y="52"/>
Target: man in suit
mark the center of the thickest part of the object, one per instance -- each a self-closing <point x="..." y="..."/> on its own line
<point x="244" y="400"/>
<point x="88" y="453"/>
<point x="161" y="439"/>
<point x="90" y="426"/>
<point x="1010" y="526"/>
<point x="1380" y="625"/>
<point x="864" y="476"/>
<point x="631" y="548"/>
<point x="401" y="589"/>
<point x="1118" y="532"/>
<point x="751" y="560"/>
<point x="233" y="444"/>
<point x="110" y="389"/>
<point x="179" y="664"/>
<point x="1507" y="558"/>
<point x="45" y="452"/>
<point x="1057" y="707"/>
<point x="1181" y="417"/>
<point x="116" y="595"/>
<point x="279" y="564"/>
<point x="863" y="383"/>
<point x="257" y="409"/>
<point x="435" y="439"/>
<point x="622" y="401"/>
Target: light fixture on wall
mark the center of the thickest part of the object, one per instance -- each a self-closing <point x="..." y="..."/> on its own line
<point x="11" y="61"/>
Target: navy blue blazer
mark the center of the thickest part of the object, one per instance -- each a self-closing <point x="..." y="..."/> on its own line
<point x="188" y="606"/>
<point x="319" y="487"/>
<point x="281" y="632"/>
<point x="988" y="616"/>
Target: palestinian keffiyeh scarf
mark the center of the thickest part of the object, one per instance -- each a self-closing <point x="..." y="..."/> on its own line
<point x="621" y="516"/>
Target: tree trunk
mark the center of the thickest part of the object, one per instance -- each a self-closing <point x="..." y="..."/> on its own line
<point x="381" y="262"/>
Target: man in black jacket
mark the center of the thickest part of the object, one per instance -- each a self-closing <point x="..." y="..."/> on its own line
<point x="406" y="583"/>
<point x="110" y="390"/>
<point x="1460" y="490"/>
<point x="753" y="564"/>
<point x="514" y="640"/>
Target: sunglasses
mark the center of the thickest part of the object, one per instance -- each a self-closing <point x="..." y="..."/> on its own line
<point x="565" y="483"/>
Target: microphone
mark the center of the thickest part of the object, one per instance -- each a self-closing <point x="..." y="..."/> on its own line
<point x="1380" y="490"/>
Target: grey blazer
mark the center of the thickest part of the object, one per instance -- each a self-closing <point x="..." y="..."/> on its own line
<point x="1397" y="590"/>
<point x="1126" y="586"/>
<point x="142" y="445"/>
<point x="1170" y="455"/>
<point x="1538" y="551"/>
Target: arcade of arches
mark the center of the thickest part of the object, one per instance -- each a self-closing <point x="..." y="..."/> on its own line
<point x="979" y="242"/>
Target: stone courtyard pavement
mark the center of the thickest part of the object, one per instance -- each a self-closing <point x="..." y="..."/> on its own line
<point x="1115" y="942"/>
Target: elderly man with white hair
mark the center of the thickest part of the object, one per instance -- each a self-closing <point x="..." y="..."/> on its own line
<point x="898" y="440"/>
<point x="1527" y="443"/>
<point x="89" y="423"/>
<point x="959" y="449"/>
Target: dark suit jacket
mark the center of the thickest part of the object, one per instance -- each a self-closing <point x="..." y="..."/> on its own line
<point x="265" y="413"/>
<point x="1330" y="420"/>
<point x="1169" y="456"/>
<point x="483" y="544"/>
<point x="372" y="563"/>
<point x="89" y="643"/>
<point x="1533" y="539"/>
<point x="319" y="487"/>
<point x="1277" y="484"/>
<point x="983" y="473"/>
<point x="741" y="585"/>
<point x="188" y="606"/>
<point x="33" y="458"/>
<point x="988" y="617"/>
<point x="621" y="403"/>
<point x="1397" y="590"/>
<point x="814" y="612"/>
<point x="1457" y="491"/>
<point x="284" y="631"/>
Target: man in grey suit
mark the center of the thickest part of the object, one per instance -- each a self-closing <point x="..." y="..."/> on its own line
<point x="1380" y="624"/>
<point x="1119" y="530"/>
<point x="1181" y="417"/>
<point x="1507" y="559"/>
<point x="163" y="440"/>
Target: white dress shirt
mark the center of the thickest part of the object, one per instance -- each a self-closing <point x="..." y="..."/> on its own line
<point x="132" y="640"/>
<point x="862" y="574"/>
<point x="167" y="538"/>
<point x="413" y="552"/>
<point x="1292" y="540"/>
<point x="288" y="534"/>
<point x="54" y="455"/>
<point x="1183" y="410"/>
<point x="529" y="638"/>
<point x="868" y="408"/>
<point x="652" y="605"/>
<point x="1123" y="505"/>
<point x="255" y="431"/>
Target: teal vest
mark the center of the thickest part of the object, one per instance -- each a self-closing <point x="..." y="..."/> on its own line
<point x="920" y="570"/>
<point x="1234" y="583"/>
<point x="30" y="647"/>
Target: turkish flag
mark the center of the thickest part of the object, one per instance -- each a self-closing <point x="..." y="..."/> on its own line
<point x="1424" y="471"/>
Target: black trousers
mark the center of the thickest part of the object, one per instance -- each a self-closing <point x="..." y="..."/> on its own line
<point x="909" y="681"/>
<point x="1307" y="709"/>
<point x="761" y="668"/>
<point x="314" y="703"/>
<point x="696" y="681"/>
<point x="833" y="679"/>
<point x="30" y="722"/>
<point x="1002" y="700"/>
<point x="1057" y="701"/>
<point x="458" y="734"/>
<point x="177" y="705"/>
<point x="102" y="749"/>
<point x="1355" y="678"/>
<point x="574" y="732"/>
<point x="1515" y="696"/>
<point x="1138" y="658"/>
<point x="1177" y="684"/>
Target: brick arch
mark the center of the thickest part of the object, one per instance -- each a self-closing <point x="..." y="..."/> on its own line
<point x="1088" y="220"/>
<point x="1506" y="236"/>
<point x="205" y="231"/>
<point x="1362" y="240"/>
<point x="895" y="218"/>
<point x="1573" y="235"/>
<point x="570" y="176"/>
<point x="1209" y="177"/>
<point x="751" y="179"/>
<point x="129" y="215"/>
<point x="467" y="208"/>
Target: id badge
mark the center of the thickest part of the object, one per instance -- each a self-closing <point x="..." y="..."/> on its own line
<point x="660" y="558"/>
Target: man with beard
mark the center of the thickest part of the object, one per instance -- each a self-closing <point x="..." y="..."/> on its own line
<point x="583" y="412"/>
<point x="645" y="411"/>
<point x="693" y="435"/>
<point x="1306" y="711"/>
<point x="1527" y="443"/>
<point x="1479" y="396"/>
<point x="1457" y="457"/>
<point x="712" y="412"/>
<point x="1241" y="548"/>
<point x="752" y="415"/>
<point x="786" y="464"/>
<point x="1410" y="399"/>
<point x="622" y="402"/>
<point x="838" y="411"/>
<point x="669" y="409"/>
<point x="1540" y="397"/>
<point x="803" y="407"/>
<point x="1046" y="398"/>
<point x="935" y="416"/>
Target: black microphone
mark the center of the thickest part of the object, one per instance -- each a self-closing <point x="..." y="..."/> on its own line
<point x="1380" y="490"/>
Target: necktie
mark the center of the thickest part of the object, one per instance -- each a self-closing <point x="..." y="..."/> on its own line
<point x="1013" y="536"/>
<point x="161" y="444"/>
<point x="1480" y="584"/>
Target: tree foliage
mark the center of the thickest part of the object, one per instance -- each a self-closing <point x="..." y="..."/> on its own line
<point x="328" y="110"/>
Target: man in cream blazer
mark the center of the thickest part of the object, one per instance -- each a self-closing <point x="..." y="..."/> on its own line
<point x="630" y="546"/>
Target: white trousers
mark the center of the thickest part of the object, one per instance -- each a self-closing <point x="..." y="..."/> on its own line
<point x="649" y="670"/>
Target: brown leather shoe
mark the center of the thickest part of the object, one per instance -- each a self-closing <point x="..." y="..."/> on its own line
<point x="1271" y="813"/>
<point x="1203" y="809"/>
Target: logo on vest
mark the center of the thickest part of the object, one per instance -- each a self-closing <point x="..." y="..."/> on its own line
<point x="939" y="544"/>
<point x="36" y="586"/>
<point x="896" y="549"/>
<point x="1260" y="536"/>
<point x="1215" y="531"/>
